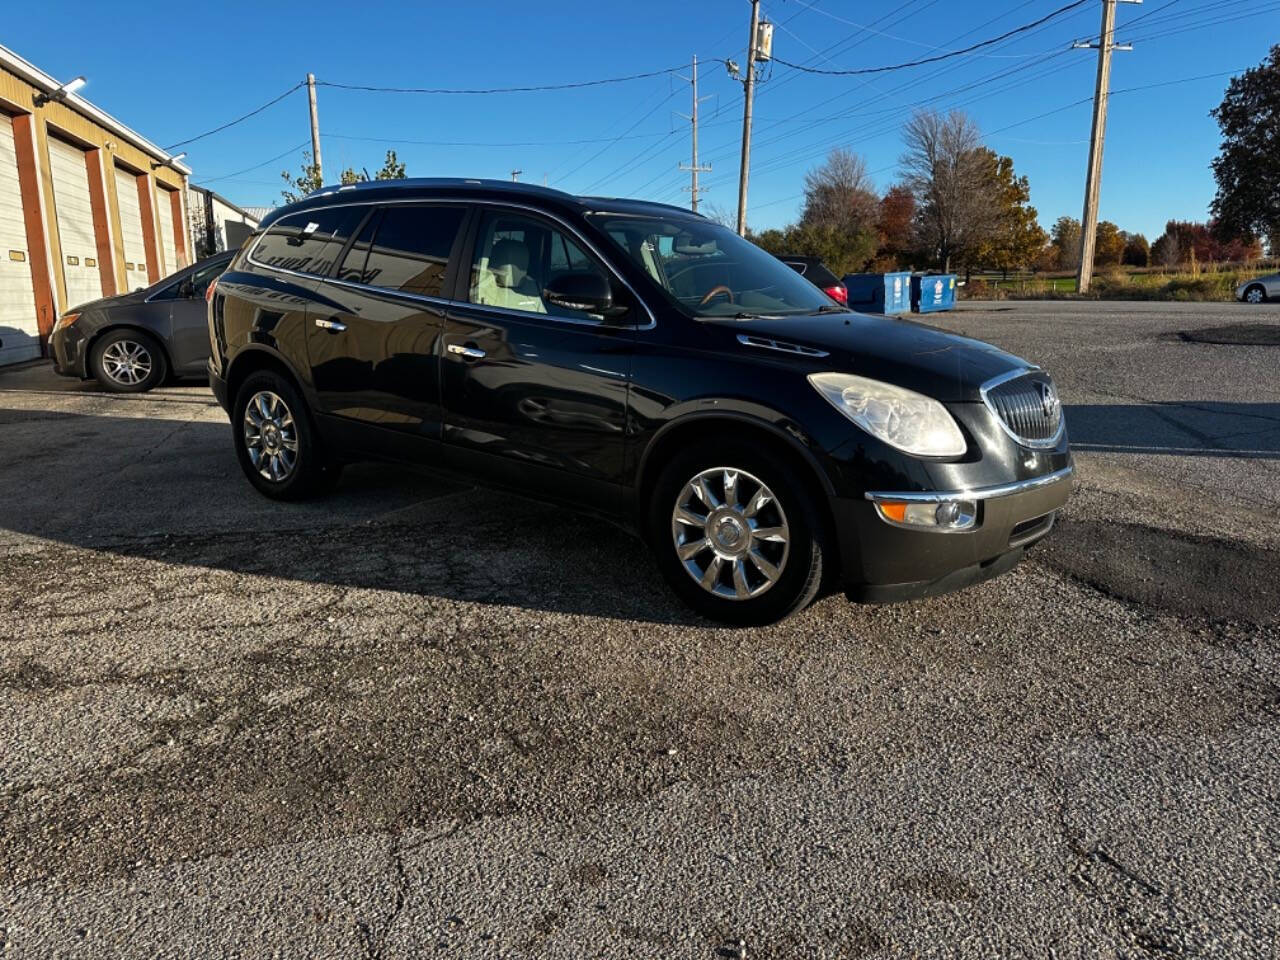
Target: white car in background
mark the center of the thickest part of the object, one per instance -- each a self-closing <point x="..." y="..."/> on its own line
<point x="1259" y="289"/>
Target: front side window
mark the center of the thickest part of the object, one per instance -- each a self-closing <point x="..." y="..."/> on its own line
<point x="199" y="280"/>
<point x="708" y="270"/>
<point x="308" y="242"/>
<point x="515" y="259"/>
<point x="405" y="248"/>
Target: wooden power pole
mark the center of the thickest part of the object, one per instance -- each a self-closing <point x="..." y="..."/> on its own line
<point x="1093" y="177"/>
<point x="315" y="127"/>
<point x="749" y="87"/>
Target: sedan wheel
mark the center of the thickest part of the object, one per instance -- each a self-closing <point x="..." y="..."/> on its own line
<point x="270" y="436"/>
<point x="1254" y="295"/>
<point x="730" y="533"/>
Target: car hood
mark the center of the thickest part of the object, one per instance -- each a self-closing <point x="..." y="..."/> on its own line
<point x="104" y="303"/>
<point x="908" y="354"/>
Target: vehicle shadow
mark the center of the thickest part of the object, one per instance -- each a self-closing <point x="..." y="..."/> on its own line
<point x="1189" y="428"/>
<point x="169" y="489"/>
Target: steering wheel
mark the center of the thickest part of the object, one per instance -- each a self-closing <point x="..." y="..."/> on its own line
<point x="716" y="291"/>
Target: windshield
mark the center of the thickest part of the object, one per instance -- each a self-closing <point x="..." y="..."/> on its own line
<point x="708" y="270"/>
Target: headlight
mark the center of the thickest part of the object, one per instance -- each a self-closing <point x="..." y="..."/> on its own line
<point x="67" y="319"/>
<point x="913" y="423"/>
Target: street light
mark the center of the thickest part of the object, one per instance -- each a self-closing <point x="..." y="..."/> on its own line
<point x="61" y="93"/>
<point x="170" y="162"/>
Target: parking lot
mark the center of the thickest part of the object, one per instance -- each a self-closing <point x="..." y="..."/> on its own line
<point x="418" y="718"/>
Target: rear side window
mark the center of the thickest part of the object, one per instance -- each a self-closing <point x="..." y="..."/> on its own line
<point x="405" y="248"/>
<point x="308" y="242"/>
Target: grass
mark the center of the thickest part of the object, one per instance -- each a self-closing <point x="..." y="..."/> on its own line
<point x="1206" y="284"/>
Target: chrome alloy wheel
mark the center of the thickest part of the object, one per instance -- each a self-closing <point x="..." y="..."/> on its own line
<point x="730" y="533"/>
<point x="270" y="436"/>
<point x="1253" y="295"/>
<point x="127" y="362"/>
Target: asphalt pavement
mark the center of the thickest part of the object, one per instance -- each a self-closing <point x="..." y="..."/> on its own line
<point x="422" y="719"/>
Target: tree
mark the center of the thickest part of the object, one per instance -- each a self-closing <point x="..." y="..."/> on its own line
<point x="894" y="222"/>
<point x="1137" y="252"/>
<point x="1166" y="252"/>
<point x="951" y="181"/>
<point x="839" y="195"/>
<point x="1015" y="238"/>
<point x="1108" y="244"/>
<point x="392" y="169"/>
<point x="1065" y="236"/>
<point x="1247" y="168"/>
<point x="299" y="185"/>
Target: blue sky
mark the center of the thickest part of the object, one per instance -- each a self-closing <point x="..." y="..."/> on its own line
<point x="172" y="81"/>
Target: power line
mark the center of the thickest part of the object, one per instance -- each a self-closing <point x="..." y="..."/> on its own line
<point x="492" y="143"/>
<point x="941" y="56"/>
<point x="489" y="90"/>
<point x="257" y="166"/>
<point x="232" y="123"/>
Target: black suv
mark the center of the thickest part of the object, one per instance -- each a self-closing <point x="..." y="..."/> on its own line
<point x="639" y="361"/>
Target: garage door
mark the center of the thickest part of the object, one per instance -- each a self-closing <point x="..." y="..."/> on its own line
<point x="75" y="222"/>
<point x="19" y="331"/>
<point x="135" y="249"/>
<point x="168" y="243"/>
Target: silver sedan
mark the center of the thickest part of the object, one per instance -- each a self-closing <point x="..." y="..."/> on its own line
<point x="1259" y="289"/>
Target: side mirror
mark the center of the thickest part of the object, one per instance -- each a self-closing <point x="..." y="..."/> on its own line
<point x="588" y="291"/>
<point x="187" y="289"/>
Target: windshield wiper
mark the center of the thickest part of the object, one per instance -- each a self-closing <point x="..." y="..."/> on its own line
<point x="828" y="308"/>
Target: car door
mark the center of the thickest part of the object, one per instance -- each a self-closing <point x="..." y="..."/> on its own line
<point x="373" y="339"/>
<point x="189" y="317"/>
<point x="532" y="391"/>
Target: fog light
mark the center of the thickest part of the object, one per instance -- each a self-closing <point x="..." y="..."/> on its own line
<point x="948" y="515"/>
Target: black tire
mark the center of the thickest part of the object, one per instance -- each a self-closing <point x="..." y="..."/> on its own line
<point x="1256" y="288"/>
<point x="801" y="573"/>
<point x="311" y="471"/>
<point x="128" y="361"/>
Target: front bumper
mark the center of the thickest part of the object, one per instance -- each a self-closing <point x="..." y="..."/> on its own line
<point x="68" y="346"/>
<point x="885" y="562"/>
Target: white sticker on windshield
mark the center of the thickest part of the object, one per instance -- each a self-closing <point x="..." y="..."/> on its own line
<point x="310" y="228"/>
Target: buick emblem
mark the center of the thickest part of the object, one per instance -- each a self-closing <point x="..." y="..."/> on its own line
<point x="1048" y="399"/>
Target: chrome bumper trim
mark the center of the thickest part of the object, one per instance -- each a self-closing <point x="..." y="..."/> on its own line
<point x="978" y="493"/>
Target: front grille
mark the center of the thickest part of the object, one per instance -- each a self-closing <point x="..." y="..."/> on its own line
<point x="1027" y="406"/>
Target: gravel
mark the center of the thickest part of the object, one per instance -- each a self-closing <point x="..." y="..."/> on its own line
<point x="420" y="719"/>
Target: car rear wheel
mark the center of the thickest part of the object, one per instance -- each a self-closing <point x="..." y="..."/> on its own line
<point x="736" y="534"/>
<point x="1255" y="294"/>
<point x="128" y="361"/>
<point x="276" y="441"/>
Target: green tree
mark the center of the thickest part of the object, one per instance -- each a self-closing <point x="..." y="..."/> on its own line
<point x="1065" y="236"/>
<point x="299" y="185"/>
<point x="1015" y="239"/>
<point x="1108" y="244"/>
<point x="1247" y="168"/>
<point x="1137" y="252"/>
<point x="392" y="169"/>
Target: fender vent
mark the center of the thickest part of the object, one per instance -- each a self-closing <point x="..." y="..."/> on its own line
<point x="781" y="346"/>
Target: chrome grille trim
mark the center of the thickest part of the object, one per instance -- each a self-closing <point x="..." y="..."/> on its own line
<point x="1019" y="412"/>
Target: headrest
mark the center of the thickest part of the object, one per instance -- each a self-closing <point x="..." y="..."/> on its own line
<point x="509" y="261"/>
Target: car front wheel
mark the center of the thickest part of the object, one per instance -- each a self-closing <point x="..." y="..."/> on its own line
<point x="736" y="534"/>
<point x="1255" y="294"/>
<point x="127" y="361"/>
<point x="276" y="442"/>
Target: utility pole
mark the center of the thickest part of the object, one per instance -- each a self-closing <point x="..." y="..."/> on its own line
<point x="1093" y="177"/>
<point x="515" y="175"/>
<point x="693" y="168"/>
<point x="315" y="127"/>
<point x="749" y="87"/>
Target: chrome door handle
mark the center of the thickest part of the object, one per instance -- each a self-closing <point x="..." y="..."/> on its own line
<point x="333" y="326"/>
<point x="471" y="353"/>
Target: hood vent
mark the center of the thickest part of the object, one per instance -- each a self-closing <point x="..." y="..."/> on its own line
<point x="781" y="346"/>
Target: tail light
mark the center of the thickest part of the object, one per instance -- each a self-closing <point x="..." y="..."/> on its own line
<point x="838" y="293"/>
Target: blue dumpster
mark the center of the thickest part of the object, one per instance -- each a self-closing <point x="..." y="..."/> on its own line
<point x="879" y="292"/>
<point x="932" y="292"/>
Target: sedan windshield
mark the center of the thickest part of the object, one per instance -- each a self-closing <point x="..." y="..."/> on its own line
<point x="708" y="270"/>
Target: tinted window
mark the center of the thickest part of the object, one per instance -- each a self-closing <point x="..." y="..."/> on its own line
<point x="354" y="263"/>
<point x="200" y="281"/>
<point x="308" y="242"/>
<point x="516" y="256"/>
<point x="410" y="249"/>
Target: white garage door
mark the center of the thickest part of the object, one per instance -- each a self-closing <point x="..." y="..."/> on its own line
<point x="75" y="222"/>
<point x="168" y="243"/>
<point x="19" y="331"/>
<point x="135" y="248"/>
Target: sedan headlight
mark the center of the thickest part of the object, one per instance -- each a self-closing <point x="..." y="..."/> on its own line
<point x="910" y="421"/>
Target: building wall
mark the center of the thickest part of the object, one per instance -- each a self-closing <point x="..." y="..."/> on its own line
<point x="33" y="126"/>
<point x="230" y="224"/>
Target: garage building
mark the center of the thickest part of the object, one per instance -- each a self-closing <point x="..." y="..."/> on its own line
<point x="88" y="207"/>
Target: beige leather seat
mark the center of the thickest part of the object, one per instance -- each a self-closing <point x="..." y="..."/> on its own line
<point x="504" y="279"/>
